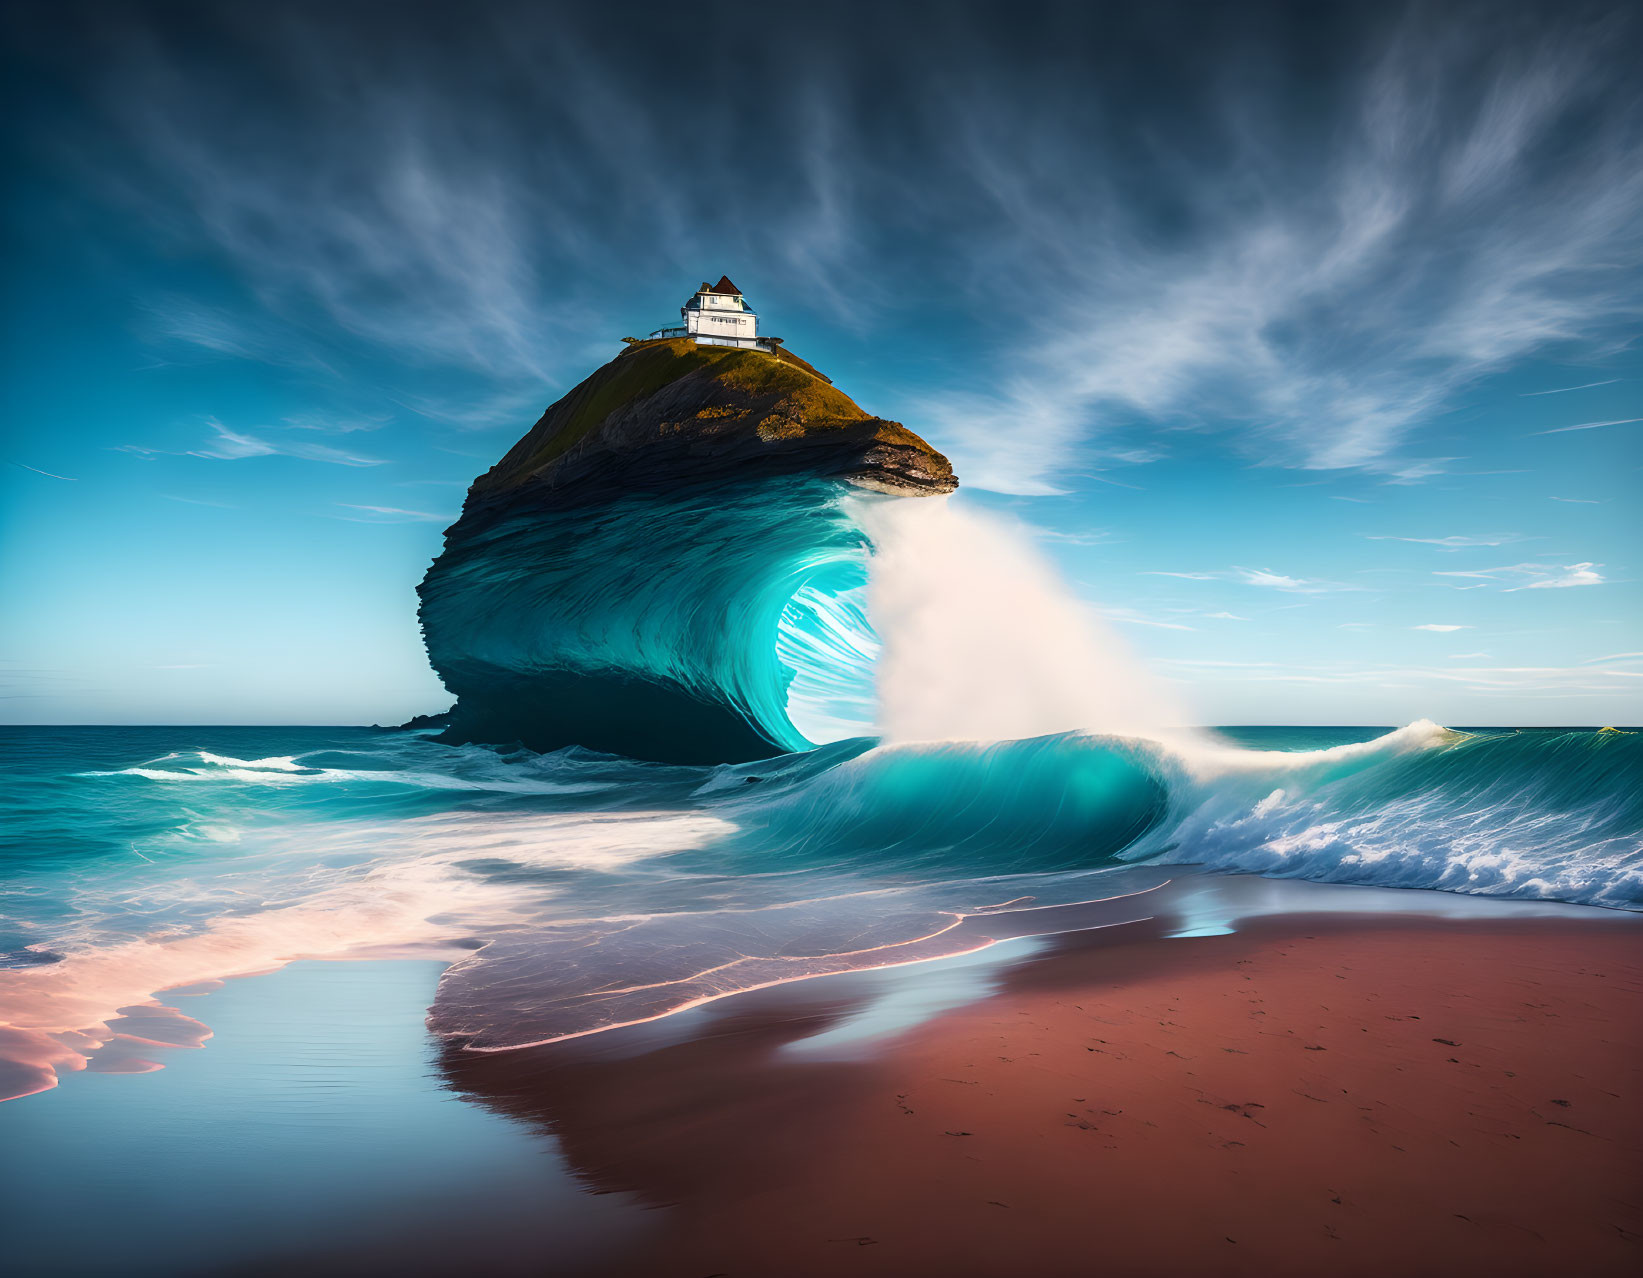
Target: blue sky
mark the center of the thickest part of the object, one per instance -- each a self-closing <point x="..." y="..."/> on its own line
<point x="1307" y="341"/>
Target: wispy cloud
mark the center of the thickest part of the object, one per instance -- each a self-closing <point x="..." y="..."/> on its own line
<point x="390" y="515"/>
<point x="418" y="252"/>
<point x="232" y="445"/>
<point x="1452" y="543"/>
<point x="1563" y="430"/>
<point x="1072" y="536"/>
<point x="198" y="501"/>
<point x="466" y="197"/>
<point x="1217" y="663"/>
<point x="1578" y="501"/>
<point x="1130" y="617"/>
<point x="66" y="478"/>
<point x="1572" y="575"/>
<point x="1440" y="629"/>
<point x="1535" y="576"/>
<point x="1564" y="390"/>
<point x="1262" y="577"/>
<point x="1278" y="581"/>
<point x="489" y="410"/>
<point x="210" y="328"/>
<point x="337" y="424"/>
<point x="1433" y="247"/>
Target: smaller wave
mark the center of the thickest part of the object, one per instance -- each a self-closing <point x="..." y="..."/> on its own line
<point x="1046" y="803"/>
<point x="1208" y="756"/>
<point x="275" y="763"/>
<point x="1533" y="814"/>
<point x="473" y="769"/>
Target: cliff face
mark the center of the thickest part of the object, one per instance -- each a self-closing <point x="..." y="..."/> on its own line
<point x="667" y="412"/>
<point x="618" y="579"/>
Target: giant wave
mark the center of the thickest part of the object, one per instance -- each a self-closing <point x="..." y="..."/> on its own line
<point x="691" y="626"/>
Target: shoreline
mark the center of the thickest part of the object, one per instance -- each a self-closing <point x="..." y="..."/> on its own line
<point x="1129" y="1097"/>
<point x="1340" y="1092"/>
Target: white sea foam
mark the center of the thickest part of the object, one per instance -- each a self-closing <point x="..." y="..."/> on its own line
<point x="413" y="892"/>
<point x="497" y="778"/>
<point x="982" y="641"/>
<point x="275" y="763"/>
<point x="1207" y="755"/>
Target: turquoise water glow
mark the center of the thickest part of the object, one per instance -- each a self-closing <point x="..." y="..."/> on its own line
<point x="588" y="891"/>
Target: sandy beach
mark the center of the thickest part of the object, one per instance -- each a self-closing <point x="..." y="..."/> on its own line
<point x="1314" y="1094"/>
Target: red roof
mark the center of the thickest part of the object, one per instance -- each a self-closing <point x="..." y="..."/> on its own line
<point x="725" y="286"/>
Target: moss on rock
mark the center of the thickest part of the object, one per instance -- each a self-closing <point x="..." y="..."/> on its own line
<point x="711" y="407"/>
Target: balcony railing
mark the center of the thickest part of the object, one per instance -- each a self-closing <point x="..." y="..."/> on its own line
<point x="706" y="339"/>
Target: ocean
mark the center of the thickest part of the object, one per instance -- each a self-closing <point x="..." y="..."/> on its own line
<point x="580" y="891"/>
<point x="510" y="898"/>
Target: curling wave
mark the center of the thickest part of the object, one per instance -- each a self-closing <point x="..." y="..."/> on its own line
<point x="701" y="625"/>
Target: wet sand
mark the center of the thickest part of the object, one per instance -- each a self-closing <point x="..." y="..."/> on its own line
<point x="1315" y="1094"/>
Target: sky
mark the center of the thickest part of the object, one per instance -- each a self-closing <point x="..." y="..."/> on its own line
<point x="1304" y="338"/>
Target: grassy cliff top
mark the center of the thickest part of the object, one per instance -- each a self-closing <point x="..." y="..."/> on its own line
<point x="679" y="387"/>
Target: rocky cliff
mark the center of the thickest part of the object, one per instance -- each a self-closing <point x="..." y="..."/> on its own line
<point x="667" y="412"/>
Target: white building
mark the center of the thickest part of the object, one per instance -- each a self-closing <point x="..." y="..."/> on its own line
<point x="718" y="315"/>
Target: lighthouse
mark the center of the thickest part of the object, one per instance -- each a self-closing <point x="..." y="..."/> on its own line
<point x="718" y="315"/>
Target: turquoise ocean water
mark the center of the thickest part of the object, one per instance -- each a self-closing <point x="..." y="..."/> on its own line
<point x="531" y="898"/>
<point x="588" y="891"/>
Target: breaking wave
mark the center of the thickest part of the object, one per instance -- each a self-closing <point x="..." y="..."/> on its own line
<point x="696" y="626"/>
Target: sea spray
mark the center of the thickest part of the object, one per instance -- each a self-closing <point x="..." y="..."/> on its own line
<point x="982" y="640"/>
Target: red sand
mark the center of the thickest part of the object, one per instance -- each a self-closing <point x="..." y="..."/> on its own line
<point x="1310" y="1096"/>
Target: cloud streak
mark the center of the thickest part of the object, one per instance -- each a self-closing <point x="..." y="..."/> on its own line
<point x="1261" y="577"/>
<point x="1564" y="390"/>
<point x="1451" y="543"/>
<point x="232" y="445"/>
<point x="1531" y="576"/>
<point x="48" y="474"/>
<point x="390" y="515"/>
<point x="1129" y="617"/>
<point x="1564" y="430"/>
